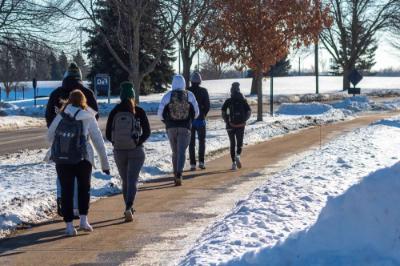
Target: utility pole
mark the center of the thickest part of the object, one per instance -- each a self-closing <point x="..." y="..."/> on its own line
<point x="316" y="65"/>
<point x="299" y="65"/>
<point x="198" y="61"/>
<point x="271" y="93"/>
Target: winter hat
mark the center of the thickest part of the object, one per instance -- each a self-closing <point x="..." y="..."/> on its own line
<point x="178" y="83"/>
<point x="73" y="72"/>
<point x="235" y="87"/>
<point x="196" y="78"/>
<point x="127" y="91"/>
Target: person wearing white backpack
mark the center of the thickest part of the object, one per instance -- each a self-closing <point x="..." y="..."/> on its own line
<point x="127" y="129"/>
<point x="73" y="154"/>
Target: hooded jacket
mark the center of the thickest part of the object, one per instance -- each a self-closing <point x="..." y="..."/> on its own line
<point x="202" y="99"/>
<point x="90" y="130"/>
<point x="62" y="93"/>
<point x="178" y="84"/>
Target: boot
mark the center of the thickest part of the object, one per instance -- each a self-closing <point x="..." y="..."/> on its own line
<point x="84" y="224"/>
<point x="70" y="230"/>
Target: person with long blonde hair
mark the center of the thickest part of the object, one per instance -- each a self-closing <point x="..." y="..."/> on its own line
<point x="70" y="164"/>
<point x="127" y="129"/>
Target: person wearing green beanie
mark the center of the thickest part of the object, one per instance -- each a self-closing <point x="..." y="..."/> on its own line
<point x="127" y="129"/>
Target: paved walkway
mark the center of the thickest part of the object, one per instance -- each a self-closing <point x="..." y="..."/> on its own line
<point x="164" y="212"/>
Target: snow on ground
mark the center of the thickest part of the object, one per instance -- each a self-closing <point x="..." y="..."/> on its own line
<point x="27" y="184"/>
<point x="364" y="222"/>
<point x="18" y="122"/>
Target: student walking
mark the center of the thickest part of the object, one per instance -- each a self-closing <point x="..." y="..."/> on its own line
<point x="177" y="110"/>
<point x="127" y="129"/>
<point x="199" y="124"/>
<point x="72" y="80"/>
<point x="73" y="154"/>
<point x="235" y="112"/>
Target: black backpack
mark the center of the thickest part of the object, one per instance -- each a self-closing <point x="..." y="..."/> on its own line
<point x="69" y="145"/>
<point x="237" y="112"/>
<point x="179" y="106"/>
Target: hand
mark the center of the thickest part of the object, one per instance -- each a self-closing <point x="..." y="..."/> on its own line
<point x="107" y="172"/>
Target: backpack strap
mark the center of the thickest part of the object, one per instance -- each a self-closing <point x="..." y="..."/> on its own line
<point x="77" y="112"/>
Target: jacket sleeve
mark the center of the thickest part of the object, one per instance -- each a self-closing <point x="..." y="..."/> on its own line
<point x="164" y="102"/>
<point x="110" y="121"/>
<point x="52" y="128"/>
<point x="206" y="102"/>
<point x="224" y="111"/>
<point x="146" y="131"/>
<point x="98" y="142"/>
<point x="192" y="100"/>
<point x="50" y="110"/>
<point x="248" y="110"/>
<point x="92" y="102"/>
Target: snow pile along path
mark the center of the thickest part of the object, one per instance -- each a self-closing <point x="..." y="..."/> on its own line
<point x="292" y="200"/>
<point x="19" y="122"/>
<point x="360" y="227"/>
<point x="27" y="184"/>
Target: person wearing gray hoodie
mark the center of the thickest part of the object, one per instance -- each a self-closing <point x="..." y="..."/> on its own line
<point x="177" y="109"/>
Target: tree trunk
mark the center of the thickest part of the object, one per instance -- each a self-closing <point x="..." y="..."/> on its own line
<point x="346" y="81"/>
<point x="258" y="85"/>
<point x="187" y="64"/>
<point x="257" y="79"/>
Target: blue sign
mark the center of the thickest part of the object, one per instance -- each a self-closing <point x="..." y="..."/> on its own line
<point x="102" y="84"/>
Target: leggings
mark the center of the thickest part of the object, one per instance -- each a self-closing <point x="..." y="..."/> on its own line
<point x="67" y="174"/>
<point x="236" y="141"/>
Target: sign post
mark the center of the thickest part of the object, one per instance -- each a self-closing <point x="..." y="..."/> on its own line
<point x="102" y="85"/>
<point x="271" y="93"/>
<point x="354" y="77"/>
<point x="34" y="85"/>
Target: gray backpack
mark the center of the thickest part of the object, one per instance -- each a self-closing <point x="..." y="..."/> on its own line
<point x="69" y="145"/>
<point x="126" y="131"/>
<point x="179" y="106"/>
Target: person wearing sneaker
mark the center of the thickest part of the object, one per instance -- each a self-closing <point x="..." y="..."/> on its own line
<point x="235" y="112"/>
<point x="177" y="110"/>
<point x="127" y="129"/>
<point x="199" y="124"/>
<point x="73" y="154"/>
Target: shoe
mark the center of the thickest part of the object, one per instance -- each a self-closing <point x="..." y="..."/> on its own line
<point x="76" y="214"/>
<point x="70" y="230"/>
<point x="238" y="162"/>
<point x="202" y="166"/>
<point x="178" y="179"/>
<point x="234" y="166"/>
<point x="59" y="211"/>
<point x="84" y="224"/>
<point x="128" y="216"/>
<point x="192" y="167"/>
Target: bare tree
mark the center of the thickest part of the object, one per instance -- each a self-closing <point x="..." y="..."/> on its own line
<point x="131" y="16"/>
<point x="351" y="40"/>
<point x="193" y="15"/>
<point x="211" y="69"/>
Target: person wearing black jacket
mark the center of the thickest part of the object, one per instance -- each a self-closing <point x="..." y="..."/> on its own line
<point x="128" y="152"/>
<point x="72" y="81"/>
<point x="199" y="124"/>
<point x="235" y="112"/>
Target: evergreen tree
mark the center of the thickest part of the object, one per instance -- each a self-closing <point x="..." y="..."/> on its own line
<point x="63" y="62"/>
<point x="55" y="71"/>
<point x="103" y="62"/>
<point x="80" y="61"/>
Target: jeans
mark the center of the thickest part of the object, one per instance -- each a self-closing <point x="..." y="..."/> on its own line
<point x="68" y="173"/>
<point x="236" y="141"/>
<point x="129" y="163"/>
<point x="179" y="140"/>
<point x="201" y="135"/>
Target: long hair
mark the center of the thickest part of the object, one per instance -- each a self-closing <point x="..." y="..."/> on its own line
<point x="77" y="99"/>
<point x="131" y="104"/>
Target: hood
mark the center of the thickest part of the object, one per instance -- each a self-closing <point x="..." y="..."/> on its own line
<point x="237" y="95"/>
<point x="178" y="83"/>
<point x="82" y="115"/>
<point x="71" y="84"/>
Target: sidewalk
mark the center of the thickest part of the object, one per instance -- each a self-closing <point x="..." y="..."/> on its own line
<point x="161" y="207"/>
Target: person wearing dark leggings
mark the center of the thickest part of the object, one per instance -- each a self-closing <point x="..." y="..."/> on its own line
<point x="235" y="112"/>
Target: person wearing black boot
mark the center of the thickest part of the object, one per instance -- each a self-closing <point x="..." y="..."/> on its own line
<point x="235" y="112"/>
<point x="199" y="124"/>
<point x="72" y="80"/>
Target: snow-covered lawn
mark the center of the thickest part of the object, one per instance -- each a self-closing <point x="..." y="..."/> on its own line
<point x="337" y="206"/>
<point x="27" y="184"/>
<point x="18" y="122"/>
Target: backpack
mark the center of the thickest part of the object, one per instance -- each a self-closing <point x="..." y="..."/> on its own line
<point x="69" y="145"/>
<point x="126" y="131"/>
<point x="237" y="112"/>
<point x="179" y="106"/>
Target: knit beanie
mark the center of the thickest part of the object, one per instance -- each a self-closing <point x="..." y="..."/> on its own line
<point x="235" y="87"/>
<point x="178" y="83"/>
<point x="73" y="72"/>
<point x="127" y="91"/>
<point x="196" y="78"/>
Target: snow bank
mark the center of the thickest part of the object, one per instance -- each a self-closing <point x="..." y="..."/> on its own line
<point x="360" y="227"/>
<point x="18" y="122"/>
<point x="27" y="184"/>
<point x="292" y="200"/>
